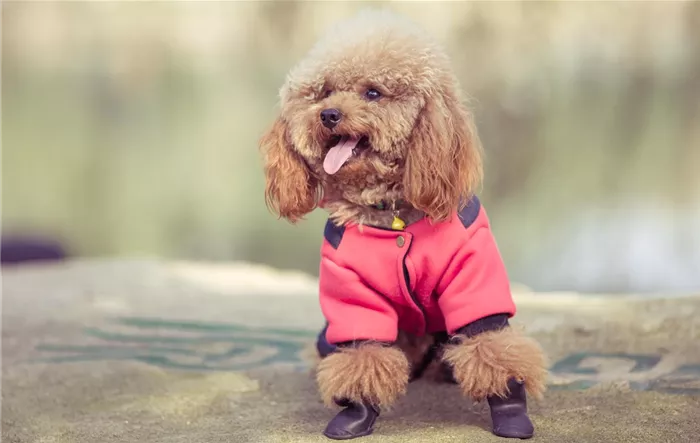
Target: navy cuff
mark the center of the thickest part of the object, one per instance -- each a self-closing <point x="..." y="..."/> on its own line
<point x="491" y="323"/>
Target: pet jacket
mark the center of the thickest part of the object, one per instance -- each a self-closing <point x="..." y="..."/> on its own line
<point x="425" y="279"/>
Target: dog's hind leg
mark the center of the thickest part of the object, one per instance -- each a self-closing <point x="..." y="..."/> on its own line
<point x="491" y="360"/>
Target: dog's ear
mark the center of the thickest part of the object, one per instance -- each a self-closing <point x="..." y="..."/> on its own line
<point x="291" y="190"/>
<point x="443" y="163"/>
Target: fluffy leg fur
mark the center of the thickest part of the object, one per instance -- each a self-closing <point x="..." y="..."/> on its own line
<point x="483" y="364"/>
<point x="369" y="372"/>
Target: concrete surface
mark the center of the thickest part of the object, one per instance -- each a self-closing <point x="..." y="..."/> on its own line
<point x="104" y="351"/>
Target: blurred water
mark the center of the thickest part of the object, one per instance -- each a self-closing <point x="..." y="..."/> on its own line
<point x="132" y="128"/>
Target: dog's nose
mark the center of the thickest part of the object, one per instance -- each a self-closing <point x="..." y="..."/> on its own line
<point x="330" y="118"/>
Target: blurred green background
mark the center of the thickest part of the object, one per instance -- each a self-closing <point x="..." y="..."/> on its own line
<point x="131" y="129"/>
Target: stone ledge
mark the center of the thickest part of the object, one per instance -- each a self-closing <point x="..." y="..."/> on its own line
<point x="151" y="351"/>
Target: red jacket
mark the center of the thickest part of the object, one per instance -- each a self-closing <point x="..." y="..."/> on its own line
<point x="425" y="279"/>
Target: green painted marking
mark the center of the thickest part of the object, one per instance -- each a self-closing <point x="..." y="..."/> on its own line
<point x="579" y="385"/>
<point x="97" y="348"/>
<point x="152" y="323"/>
<point x="233" y="352"/>
<point x="191" y="350"/>
<point x="165" y="350"/>
<point x="126" y="338"/>
<point x="571" y="364"/>
<point x="82" y="358"/>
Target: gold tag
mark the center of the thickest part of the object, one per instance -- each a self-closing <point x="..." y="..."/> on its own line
<point x="397" y="224"/>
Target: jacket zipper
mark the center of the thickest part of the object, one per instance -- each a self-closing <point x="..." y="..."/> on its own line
<point x="407" y="280"/>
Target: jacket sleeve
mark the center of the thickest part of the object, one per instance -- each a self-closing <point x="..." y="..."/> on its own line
<point x="353" y="310"/>
<point x="475" y="284"/>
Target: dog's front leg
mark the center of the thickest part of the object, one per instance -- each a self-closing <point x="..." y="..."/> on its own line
<point x="491" y="360"/>
<point x="362" y="377"/>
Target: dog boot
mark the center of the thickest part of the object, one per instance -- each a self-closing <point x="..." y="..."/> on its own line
<point x="356" y="420"/>
<point x="509" y="414"/>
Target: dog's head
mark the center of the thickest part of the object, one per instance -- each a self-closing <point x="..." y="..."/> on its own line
<point x="373" y="106"/>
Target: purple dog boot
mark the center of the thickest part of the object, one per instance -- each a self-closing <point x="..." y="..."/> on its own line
<point x="509" y="414"/>
<point x="356" y="420"/>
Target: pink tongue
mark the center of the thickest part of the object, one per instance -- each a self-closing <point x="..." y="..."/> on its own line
<point x="339" y="154"/>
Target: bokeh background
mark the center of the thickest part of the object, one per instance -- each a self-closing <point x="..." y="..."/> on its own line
<point x="130" y="129"/>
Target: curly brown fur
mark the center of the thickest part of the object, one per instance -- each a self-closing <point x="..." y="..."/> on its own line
<point x="483" y="364"/>
<point x="369" y="372"/>
<point x="421" y="146"/>
<point x="291" y="189"/>
<point x="413" y="346"/>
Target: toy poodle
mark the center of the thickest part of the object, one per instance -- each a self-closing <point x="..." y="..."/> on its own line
<point x="372" y="129"/>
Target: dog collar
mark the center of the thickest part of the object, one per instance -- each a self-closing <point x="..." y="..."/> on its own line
<point x="397" y="224"/>
<point x="390" y="206"/>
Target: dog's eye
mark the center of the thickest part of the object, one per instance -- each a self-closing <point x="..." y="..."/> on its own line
<point x="327" y="93"/>
<point x="372" y="94"/>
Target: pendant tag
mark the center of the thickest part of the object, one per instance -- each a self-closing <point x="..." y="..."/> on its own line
<point x="397" y="224"/>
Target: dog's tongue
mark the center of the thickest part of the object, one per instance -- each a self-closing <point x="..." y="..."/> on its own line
<point x="339" y="154"/>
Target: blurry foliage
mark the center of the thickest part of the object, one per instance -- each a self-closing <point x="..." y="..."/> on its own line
<point x="132" y="128"/>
